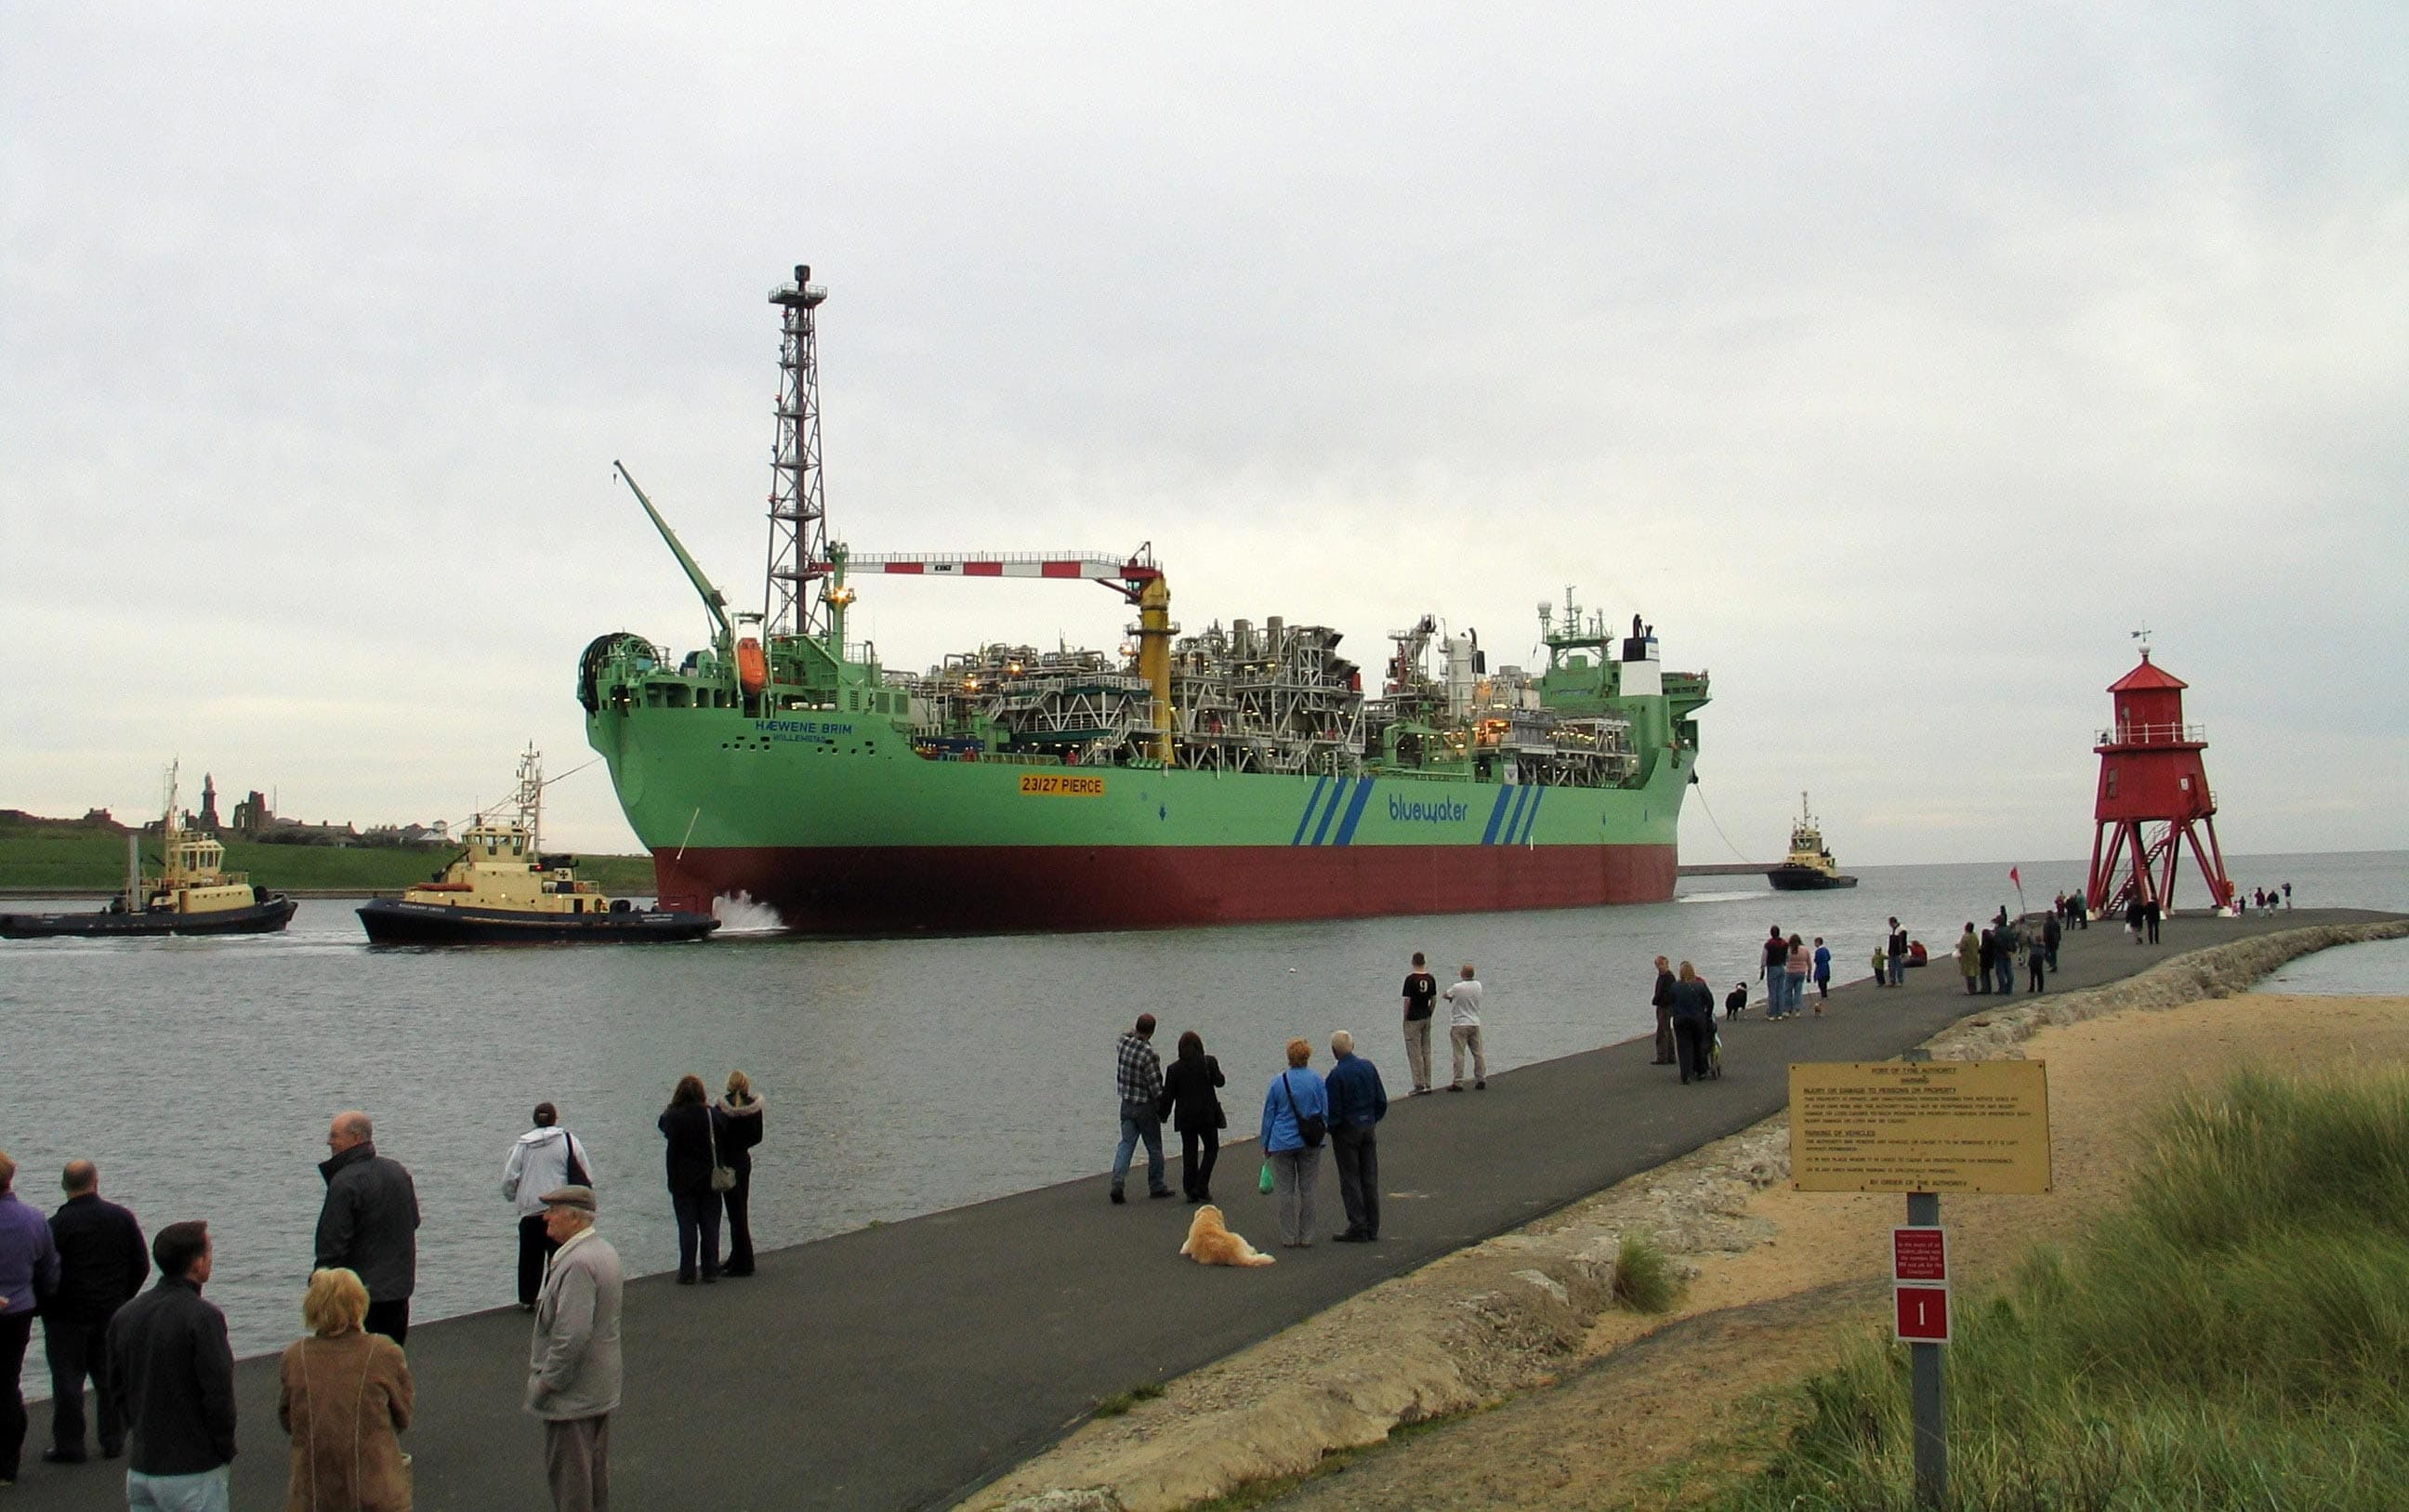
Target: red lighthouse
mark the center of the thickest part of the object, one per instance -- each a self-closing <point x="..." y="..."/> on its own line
<point x="2154" y="795"/>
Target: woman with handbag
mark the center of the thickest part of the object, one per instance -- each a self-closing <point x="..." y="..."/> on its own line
<point x="737" y="1122"/>
<point x="1296" y="1109"/>
<point x="1189" y="1099"/>
<point x="694" y="1182"/>
<point x="346" y="1397"/>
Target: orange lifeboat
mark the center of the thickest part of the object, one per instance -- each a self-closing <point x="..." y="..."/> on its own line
<point x="752" y="667"/>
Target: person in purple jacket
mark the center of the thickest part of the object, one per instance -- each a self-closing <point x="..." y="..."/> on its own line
<point x="29" y="1272"/>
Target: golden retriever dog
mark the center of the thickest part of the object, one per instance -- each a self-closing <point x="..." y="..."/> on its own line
<point x="1211" y="1242"/>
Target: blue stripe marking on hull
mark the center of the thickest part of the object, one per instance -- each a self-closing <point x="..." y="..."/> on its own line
<point x="1319" y="783"/>
<point x="1539" y="796"/>
<point x="1497" y="814"/>
<point x="1329" y="811"/>
<point x="1354" y="812"/>
<point x="1514" y="814"/>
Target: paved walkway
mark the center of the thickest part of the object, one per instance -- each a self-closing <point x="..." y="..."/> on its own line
<point x="901" y="1366"/>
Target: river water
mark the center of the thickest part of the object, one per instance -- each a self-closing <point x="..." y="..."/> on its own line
<point x="903" y="1075"/>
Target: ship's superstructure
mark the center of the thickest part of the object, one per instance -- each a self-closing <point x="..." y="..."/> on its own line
<point x="1236" y="773"/>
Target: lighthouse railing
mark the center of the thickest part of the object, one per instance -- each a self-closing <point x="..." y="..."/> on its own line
<point x="2154" y="735"/>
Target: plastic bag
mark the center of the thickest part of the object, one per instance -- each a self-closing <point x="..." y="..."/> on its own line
<point x="1264" y="1186"/>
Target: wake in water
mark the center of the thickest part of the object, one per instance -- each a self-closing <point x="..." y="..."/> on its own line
<point x="1759" y="894"/>
<point x="740" y="915"/>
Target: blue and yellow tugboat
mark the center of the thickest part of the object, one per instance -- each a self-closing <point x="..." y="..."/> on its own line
<point x="192" y="894"/>
<point x="1810" y="867"/>
<point x="503" y="888"/>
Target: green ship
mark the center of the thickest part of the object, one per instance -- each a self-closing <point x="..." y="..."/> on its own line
<point x="1240" y="774"/>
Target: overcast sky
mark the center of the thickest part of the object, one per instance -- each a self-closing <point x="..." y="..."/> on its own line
<point x="1895" y="362"/>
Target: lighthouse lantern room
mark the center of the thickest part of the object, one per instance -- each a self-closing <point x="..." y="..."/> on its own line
<point x="2154" y="797"/>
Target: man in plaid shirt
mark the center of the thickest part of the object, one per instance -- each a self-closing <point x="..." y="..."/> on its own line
<point x="1140" y="1075"/>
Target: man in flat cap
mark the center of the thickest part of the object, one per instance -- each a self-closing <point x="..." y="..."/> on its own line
<point x="573" y="1366"/>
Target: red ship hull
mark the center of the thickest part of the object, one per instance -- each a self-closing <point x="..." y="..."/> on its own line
<point x="886" y="890"/>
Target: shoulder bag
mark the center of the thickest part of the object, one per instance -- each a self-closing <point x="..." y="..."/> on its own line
<point x="723" y="1177"/>
<point x="1309" y="1126"/>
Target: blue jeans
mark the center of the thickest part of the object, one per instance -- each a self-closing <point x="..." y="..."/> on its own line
<point x="1898" y="970"/>
<point x="1139" y="1122"/>
<point x="208" y="1492"/>
<point x="1794" y="983"/>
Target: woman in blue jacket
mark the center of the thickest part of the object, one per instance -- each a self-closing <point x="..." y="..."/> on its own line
<point x="1294" y="1098"/>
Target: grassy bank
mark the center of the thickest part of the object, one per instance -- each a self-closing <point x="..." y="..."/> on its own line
<point x="2237" y="1335"/>
<point x="68" y="860"/>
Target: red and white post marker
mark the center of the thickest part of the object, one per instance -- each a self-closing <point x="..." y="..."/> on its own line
<point x="1918" y="1278"/>
<point x="1920" y="1284"/>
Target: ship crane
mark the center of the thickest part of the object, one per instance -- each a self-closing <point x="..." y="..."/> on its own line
<point x="1138" y="578"/>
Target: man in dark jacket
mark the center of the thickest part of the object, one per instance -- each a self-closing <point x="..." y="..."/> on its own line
<point x="1663" y="1000"/>
<point x="369" y="1225"/>
<point x="102" y="1265"/>
<point x="172" y="1373"/>
<point x="1357" y="1102"/>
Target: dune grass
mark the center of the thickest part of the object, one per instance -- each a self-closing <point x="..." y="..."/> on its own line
<point x="1119" y="1403"/>
<point x="2236" y="1336"/>
<point x="1644" y="1281"/>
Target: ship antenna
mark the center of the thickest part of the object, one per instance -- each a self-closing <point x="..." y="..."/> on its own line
<point x="799" y="550"/>
<point x="531" y="799"/>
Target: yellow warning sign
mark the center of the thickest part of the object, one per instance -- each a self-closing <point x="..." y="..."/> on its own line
<point x="1924" y="1126"/>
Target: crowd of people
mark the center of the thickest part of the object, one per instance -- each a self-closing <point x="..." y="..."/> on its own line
<point x="1987" y="959"/>
<point x="160" y="1367"/>
<point x="1303" y="1109"/>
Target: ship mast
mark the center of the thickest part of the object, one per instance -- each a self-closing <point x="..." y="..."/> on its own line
<point x="531" y="799"/>
<point x="798" y="551"/>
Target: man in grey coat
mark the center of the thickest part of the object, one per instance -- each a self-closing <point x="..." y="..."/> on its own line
<point x="573" y="1364"/>
<point x="369" y="1225"/>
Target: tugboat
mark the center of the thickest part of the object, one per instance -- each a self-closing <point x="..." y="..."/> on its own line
<point x="502" y="888"/>
<point x="1810" y="867"/>
<point x="192" y="894"/>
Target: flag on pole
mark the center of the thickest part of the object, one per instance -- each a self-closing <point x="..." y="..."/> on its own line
<point x="2013" y="877"/>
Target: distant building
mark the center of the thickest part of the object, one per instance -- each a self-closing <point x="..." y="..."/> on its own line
<point x="208" y="822"/>
<point x="251" y="815"/>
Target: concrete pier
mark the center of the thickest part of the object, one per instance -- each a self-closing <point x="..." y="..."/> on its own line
<point x="904" y="1365"/>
